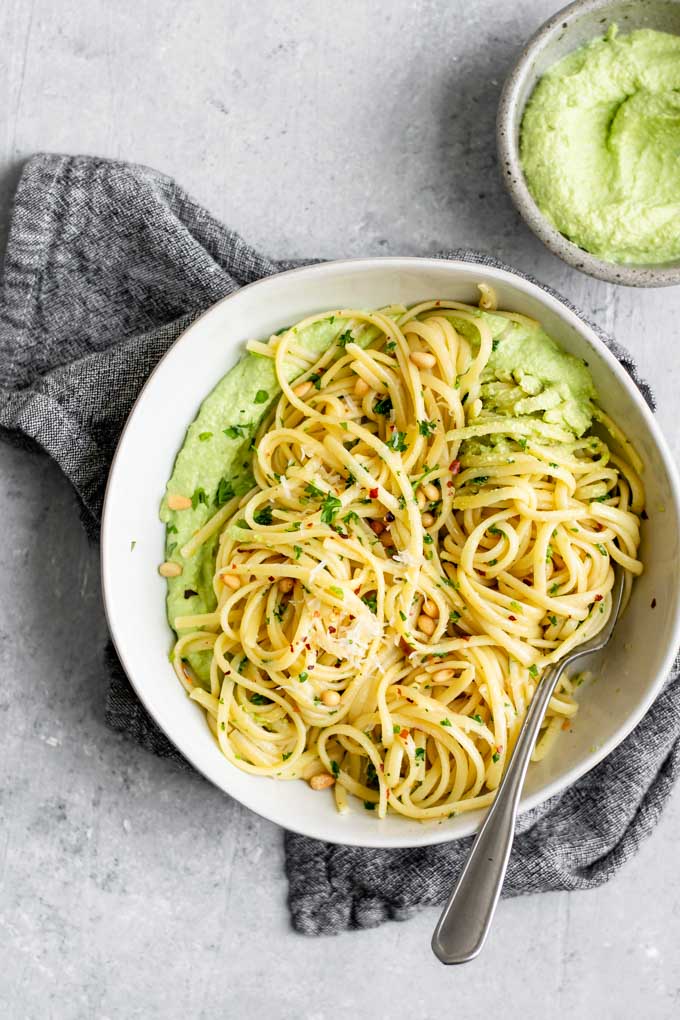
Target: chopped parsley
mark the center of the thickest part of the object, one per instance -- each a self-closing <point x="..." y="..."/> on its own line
<point x="495" y="757"/>
<point x="295" y="526"/>
<point x="313" y="491"/>
<point x="478" y="719"/>
<point x="297" y="549"/>
<point x="329" y="509"/>
<point x="261" y="397"/>
<point x="420" y="754"/>
<point x="553" y="590"/>
<point x="397" y="442"/>
<point x="428" y="539"/>
<point x="263" y="516"/>
<point x="493" y="530"/>
<point x="303" y="676"/>
<point x="338" y="592"/>
<point x="553" y="619"/>
<point x="280" y="612"/>
<point x="350" y="517"/>
<point x="202" y="436"/>
<point x="259" y="699"/>
<point x="198" y="497"/>
<point x="234" y="431"/>
<point x="454" y="616"/>
<point x="601" y="549"/>
<point x="445" y="722"/>
<point x="286" y="755"/>
<point x="369" y="805"/>
<point x="533" y="670"/>
<point x="315" y="378"/>
<point x="172" y="529"/>
<point x="548" y="553"/>
<point x="335" y="768"/>
<point x="224" y="492"/>
<point x="426" y="428"/>
<point x="371" y="601"/>
<point x="391" y="345"/>
<point x="383" y="406"/>
<point x="345" y="338"/>
<point x="396" y="728"/>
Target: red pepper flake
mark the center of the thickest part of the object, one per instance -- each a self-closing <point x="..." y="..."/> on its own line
<point x="464" y="637"/>
<point x="373" y="493"/>
<point x="454" y="467"/>
<point x="270" y="578"/>
<point x="449" y="485"/>
<point x="292" y="650"/>
<point x="644" y="515"/>
<point x="403" y="733"/>
<point x="381" y="767"/>
<point x="598" y="598"/>
<point x="351" y="617"/>
<point x="653" y="603"/>
<point x="331" y="630"/>
<point x="513" y="618"/>
<point x="566" y="724"/>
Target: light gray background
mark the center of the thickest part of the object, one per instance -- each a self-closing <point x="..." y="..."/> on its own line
<point x="321" y="127"/>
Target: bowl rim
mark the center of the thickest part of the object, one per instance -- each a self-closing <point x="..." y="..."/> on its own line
<point x="434" y="834"/>
<point x="510" y="165"/>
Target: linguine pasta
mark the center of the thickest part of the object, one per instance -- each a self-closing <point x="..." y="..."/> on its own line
<point x="405" y="565"/>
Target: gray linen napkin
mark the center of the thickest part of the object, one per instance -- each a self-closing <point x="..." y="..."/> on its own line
<point x="107" y="263"/>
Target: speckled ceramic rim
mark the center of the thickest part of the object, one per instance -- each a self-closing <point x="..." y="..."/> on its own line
<point x="509" y="118"/>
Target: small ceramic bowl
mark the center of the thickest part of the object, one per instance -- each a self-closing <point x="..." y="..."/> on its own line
<point x="564" y="32"/>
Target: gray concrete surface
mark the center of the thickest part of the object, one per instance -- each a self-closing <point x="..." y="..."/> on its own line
<point x="127" y="889"/>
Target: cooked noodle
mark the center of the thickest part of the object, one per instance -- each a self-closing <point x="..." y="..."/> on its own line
<point x="405" y="566"/>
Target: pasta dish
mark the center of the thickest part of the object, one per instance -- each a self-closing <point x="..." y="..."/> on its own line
<point x="382" y="526"/>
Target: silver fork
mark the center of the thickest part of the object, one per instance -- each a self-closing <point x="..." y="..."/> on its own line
<point x="466" y="918"/>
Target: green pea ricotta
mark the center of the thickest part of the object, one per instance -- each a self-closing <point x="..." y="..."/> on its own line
<point x="600" y="146"/>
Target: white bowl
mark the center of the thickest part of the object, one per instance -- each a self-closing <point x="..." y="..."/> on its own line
<point x="631" y="672"/>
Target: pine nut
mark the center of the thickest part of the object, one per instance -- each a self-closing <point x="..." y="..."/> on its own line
<point x="431" y="492"/>
<point x="286" y="584"/>
<point x="177" y="502"/>
<point x="422" y="359"/>
<point x="426" y="624"/>
<point x="169" y="569"/>
<point x="420" y="499"/>
<point x="428" y="520"/>
<point x="321" y="782"/>
<point x="475" y="409"/>
<point x="361" y="387"/>
<point x="330" y="698"/>
<point x="302" y="389"/>
<point x="231" y="581"/>
<point x="430" y="609"/>
<point x="441" y="676"/>
<point x="377" y="527"/>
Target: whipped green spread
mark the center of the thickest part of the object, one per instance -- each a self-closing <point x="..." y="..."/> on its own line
<point x="526" y="375"/>
<point x="600" y="146"/>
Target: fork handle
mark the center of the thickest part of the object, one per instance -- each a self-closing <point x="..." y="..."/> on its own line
<point x="467" y="916"/>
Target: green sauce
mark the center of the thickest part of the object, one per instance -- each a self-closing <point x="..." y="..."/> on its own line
<point x="600" y="146"/>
